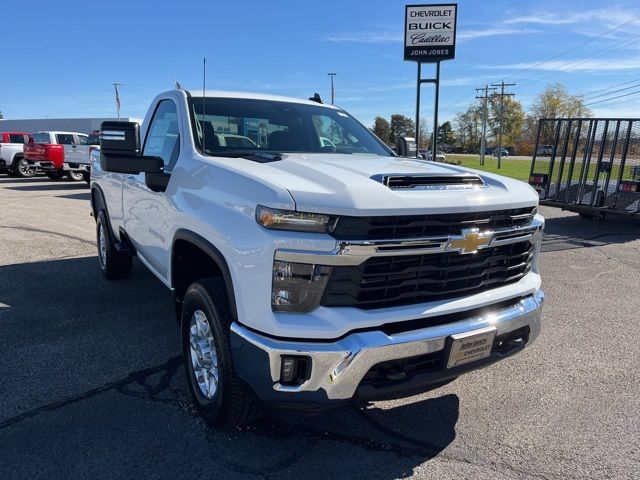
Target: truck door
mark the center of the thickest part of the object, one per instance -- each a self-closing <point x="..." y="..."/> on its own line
<point x="81" y="148"/>
<point x="146" y="213"/>
<point x="67" y="140"/>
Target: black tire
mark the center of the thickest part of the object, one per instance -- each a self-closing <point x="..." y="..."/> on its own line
<point x="86" y="177"/>
<point x="113" y="264"/>
<point x="75" y="176"/>
<point x="231" y="405"/>
<point x="22" y="169"/>
<point x="55" y="175"/>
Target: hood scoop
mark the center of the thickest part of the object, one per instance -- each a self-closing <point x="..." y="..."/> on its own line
<point x="429" y="182"/>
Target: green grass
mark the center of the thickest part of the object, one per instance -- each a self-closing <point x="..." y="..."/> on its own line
<point x="518" y="169"/>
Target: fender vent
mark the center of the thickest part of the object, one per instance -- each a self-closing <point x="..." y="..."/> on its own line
<point x="397" y="182"/>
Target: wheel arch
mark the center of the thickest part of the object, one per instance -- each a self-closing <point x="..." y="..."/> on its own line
<point x="205" y="259"/>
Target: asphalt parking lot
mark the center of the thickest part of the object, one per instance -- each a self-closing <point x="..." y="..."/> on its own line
<point x="92" y="384"/>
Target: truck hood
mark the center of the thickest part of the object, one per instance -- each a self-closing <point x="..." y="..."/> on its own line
<point x="350" y="185"/>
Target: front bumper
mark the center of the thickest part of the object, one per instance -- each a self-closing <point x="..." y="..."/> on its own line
<point x="339" y="367"/>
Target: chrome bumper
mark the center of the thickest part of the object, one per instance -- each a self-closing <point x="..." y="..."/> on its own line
<point x="338" y="367"/>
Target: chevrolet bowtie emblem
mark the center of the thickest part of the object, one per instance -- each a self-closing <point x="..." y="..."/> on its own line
<point x="470" y="240"/>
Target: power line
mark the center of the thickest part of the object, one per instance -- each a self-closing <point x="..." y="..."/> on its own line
<point x="612" y="98"/>
<point x="607" y="88"/>
<point x="616" y="91"/>
<point x="577" y="62"/>
<point x="553" y="57"/>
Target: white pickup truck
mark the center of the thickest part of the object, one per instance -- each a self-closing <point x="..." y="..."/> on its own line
<point x="12" y="160"/>
<point x="307" y="274"/>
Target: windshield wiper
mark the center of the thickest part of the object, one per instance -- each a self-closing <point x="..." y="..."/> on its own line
<point x="256" y="156"/>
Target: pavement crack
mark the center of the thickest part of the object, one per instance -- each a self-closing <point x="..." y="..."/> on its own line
<point x="49" y="232"/>
<point x="133" y="377"/>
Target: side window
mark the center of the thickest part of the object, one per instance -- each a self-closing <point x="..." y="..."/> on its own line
<point x="163" y="137"/>
<point x="64" y="138"/>
<point x="81" y="140"/>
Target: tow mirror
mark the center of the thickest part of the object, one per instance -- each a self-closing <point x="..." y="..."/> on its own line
<point x="407" y="147"/>
<point x="120" y="150"/>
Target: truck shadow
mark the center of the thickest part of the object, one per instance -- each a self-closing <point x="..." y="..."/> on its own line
<point x="565" y="231"/>
<point x="130" y="325"/>
<point x="45" y="187"/>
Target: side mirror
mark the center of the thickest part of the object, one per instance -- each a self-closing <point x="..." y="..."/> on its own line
<point x="120" y="150"/>
<point x="120" y="138"/>
<point x="407" y="147"/>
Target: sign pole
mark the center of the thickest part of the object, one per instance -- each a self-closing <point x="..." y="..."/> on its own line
<point x="434" y="144"/>
<point x="429" y="37"/>
<point x="419" y="82"/>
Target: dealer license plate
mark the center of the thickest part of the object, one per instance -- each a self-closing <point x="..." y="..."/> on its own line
<point x="471" y="346"/>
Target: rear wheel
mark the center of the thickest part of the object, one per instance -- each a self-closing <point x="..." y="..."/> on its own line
<point x="75" y="176"/>
<point x="113" y="263"/>
<point x="218" y="393"/>
<point x="55" y="175"/>
<point x="22" y="169"/>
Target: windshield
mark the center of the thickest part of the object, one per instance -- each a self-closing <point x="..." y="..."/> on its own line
<point x="235" y="126"/>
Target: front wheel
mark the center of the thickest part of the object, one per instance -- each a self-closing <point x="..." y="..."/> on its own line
<point x="22" y="169"/>
<point x="75" y="176"/>
<point x="218" y="393"/>
<point x="113" y="264"/>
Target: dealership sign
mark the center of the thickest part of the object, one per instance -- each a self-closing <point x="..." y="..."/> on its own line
<point x="430" y="32"/>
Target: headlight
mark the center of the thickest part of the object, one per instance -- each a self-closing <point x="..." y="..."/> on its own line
<point x="297" y="287"/>
<point x="276" y="219"/>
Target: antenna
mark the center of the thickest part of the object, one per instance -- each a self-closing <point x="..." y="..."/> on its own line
<point x="204" y="92"/>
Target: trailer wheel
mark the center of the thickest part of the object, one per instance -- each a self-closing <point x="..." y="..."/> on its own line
<point x="219" y="394"/>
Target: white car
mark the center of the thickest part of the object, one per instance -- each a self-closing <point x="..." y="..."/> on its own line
<point x="305" y="278"/>
<point x="440" y="156"/>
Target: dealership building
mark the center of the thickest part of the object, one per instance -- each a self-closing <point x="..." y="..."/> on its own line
<point x="80" y="125"/>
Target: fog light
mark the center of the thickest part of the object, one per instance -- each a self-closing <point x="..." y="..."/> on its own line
<point x="294" y="370"/>
<point x="297" y="287"/>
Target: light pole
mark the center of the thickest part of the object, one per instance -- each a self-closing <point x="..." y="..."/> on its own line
<point x="333" y="92"/>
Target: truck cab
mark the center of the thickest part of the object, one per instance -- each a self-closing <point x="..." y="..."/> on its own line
<point x="307" y="274"/>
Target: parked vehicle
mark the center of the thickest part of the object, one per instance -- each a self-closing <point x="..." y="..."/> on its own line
<point x="544" y="151"/>
<point x="440" y="156"/>
<point x="12" y="160"/>
<point x="505" y="152"/>
<point x="488" y="150"/>
<point x="305" y="278"/>
<point x="94" y="142"/>
<point x="58" y="154"/>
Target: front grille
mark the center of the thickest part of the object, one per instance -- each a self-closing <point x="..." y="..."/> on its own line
<point x="405" y="280"/>
<point x="412" y="226"/>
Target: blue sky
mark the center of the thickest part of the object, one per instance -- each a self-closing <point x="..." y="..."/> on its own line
<point x="61" y="58"/>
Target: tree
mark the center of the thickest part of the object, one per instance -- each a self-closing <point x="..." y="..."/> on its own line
<point x="468" y="127"/>
<point x="425" y="134"/>
<point x="445" y="134"/>
<point x="553" y="102"/>
<point x="1" y="116"/>
<point x="401" y="126"/>
<point x="556" y="102"/>
<point x="382" y="129"/>
<point x="513" y="119"/>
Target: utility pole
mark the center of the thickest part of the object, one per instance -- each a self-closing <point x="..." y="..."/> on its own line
<point x="485" y="100"/>
<point x="333" y="92"/>
<point x="502" y="95"/>
<point x="116" y="85"/>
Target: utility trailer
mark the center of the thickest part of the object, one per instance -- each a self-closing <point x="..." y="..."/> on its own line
<point x="594" y="166"/>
